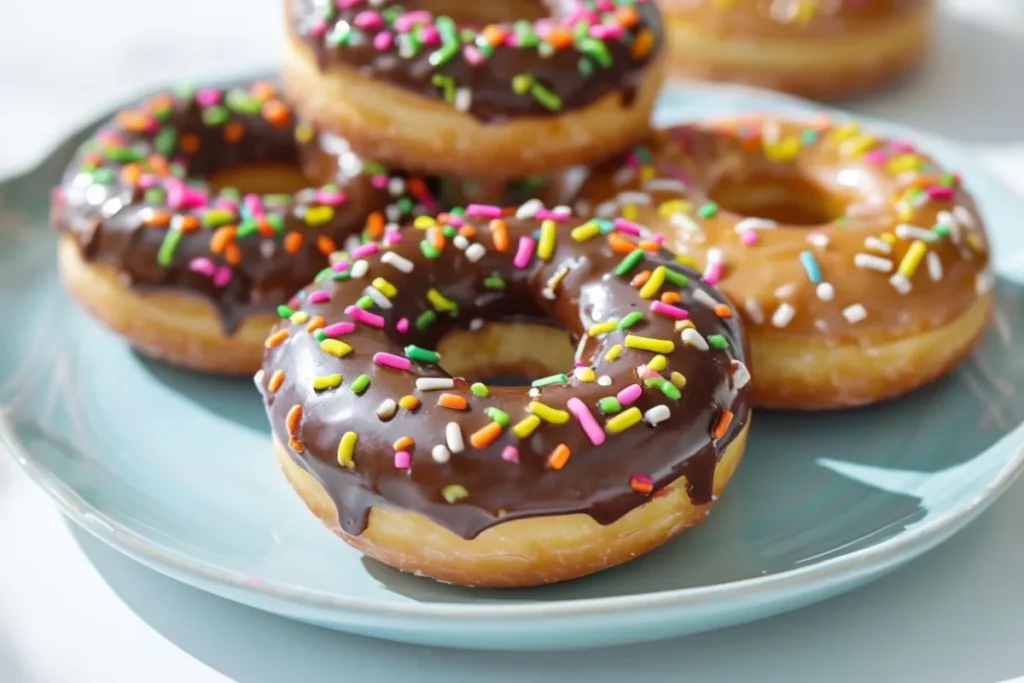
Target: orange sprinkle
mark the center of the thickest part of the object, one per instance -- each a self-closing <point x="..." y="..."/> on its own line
<point x="627" y="16"/>
<point x="486" y="435"/>
<point x="277" y="112"/>
<point x="723" y="311"/>
<point x="648" y="245"/>
<point x="160" y="101"/>
<point x="234" y="131"/>
<point x="409" y="402"/>
<point x="188" y="223"/>
<point x="189" y="143"/>
<point x="94" y="159"/>
<point x="468" y="231"/>
<point x="158" y="164"/>
<point x="643" y="45"/>
<point x="559" y="37"/>
<point x="276" y="380"/>
<point x="222" y="237"/>
<point x="233" y="255"/>
<point x="130" y="174"/>
<point x="499" y="232"/>
<point x="265" y="228"/>
<point x="724" y="420"/>
<point x="276" y="339"/>
<point x="671" y="297"/>
<point x="292" y="419"/>
<point x="326" y="245"/>
<point x="416" y="186"/>
<point x="453" y="401"/>
<point x="435" y="236"/>
<point x="494" y="35"/>
<point x="641" y="485"/>
<point x="404" y="444"/>
<point x="134" y="121"/>
<point x="317" y="322"/>
<point x="296" y="444"/>
<point x="559" y="457"/>
<point x="640" y="279"/>
<point x="619" y="244"/>
<point x="293" y="242"/>
<point x="157" y="219"/>
<point x="262" y="91"/>
<point x="375" y="225"/>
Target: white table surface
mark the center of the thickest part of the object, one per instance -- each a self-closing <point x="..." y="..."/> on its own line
<point x="72" y="610"/>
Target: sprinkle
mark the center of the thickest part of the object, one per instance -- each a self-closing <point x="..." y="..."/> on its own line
<point x="387" y="409"/>
<point x="753" y="309"/>
<point x="603" y="328"/>
<point x="657" y="415"/>
<point x="604" y="381"/>
<point x="811" y="266"/>
<point x="825" y="291"/>
<point x="629" y="394"/>
<point x="649" y="344"/>
<point x="292" y="420"/>
<point x="855" y="313"/>
<point x="499" y="416"/>
<point x="486" y="435"/>
<point x="346" y="450"/>
<point x="624" y="420"/>
<point x="668" y="310"/>
<point x="878" y="245"/>
<point x="560" y="378"/>
<point x="403" y="460"/>
<point x="722" y="424"/>
<point x="740" y="374"/>
<point x="276" y="380"/>
<point x="440" y="454"/>
<point x="525" y="427"/>
<point x="559" y="457"/>
<point x="434" y="383"/>
<point x="452" y="402"/>
<point x="453" y="436"/>
<point x="365" y="317"/>
<point x="399" y="262"/>
<point x="510" y="454"/>
<point x="912" y="259"/>
<point x="658" y="363"/>
<point x="326" y="382"/>
<point x="783" y="315"/>
<point x="587" y="422"/>
<point x="453" y="493"/>
<point x="359" y="269"/>
<point x="872" y="262"/>
<point x="547" y="413"/>
<point x="677" y="380"/>
<point x="586" y="231"/>
<point x="524" y="252"/>
<point x="692" y="337"/>
<point x="653" y="284"/>
<point x="906" y="232"/>
<point x="483" y="211"/>
<point x="900" y="283"/>
<point x="441" y="302"/>
<point x="276" y="339"/>
<point x="546" y="245"/>
<point x="610" y="405"/>
<point x="479" y="389"/>
<point x="335" y="347"/>
<point x="475" y="252"/>
<point x="361" y="384"/>
<point x="630" y="262"/>
<point x="339" y="329"/>
<point x="613" y="353"/>
<point x="421" y="355"/>
<point x="934" y="266"/>
<point x="641" y="483"/>
<point x="408" y="402"/>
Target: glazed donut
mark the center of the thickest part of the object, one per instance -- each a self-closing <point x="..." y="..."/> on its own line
<point x="859" y="265"/>
<point x="477" y="484"/>
<point x="824" y="49"/>
<point x="190" y="273"/>
<point x="495" y="89"/>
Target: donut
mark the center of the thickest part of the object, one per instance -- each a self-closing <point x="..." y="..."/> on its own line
<point x="631" y="433"/>
<point x="859" y="264"/>
<point x="191" y="272"/>
<point x="823" y="49"/>
<point x="507" y="90"/>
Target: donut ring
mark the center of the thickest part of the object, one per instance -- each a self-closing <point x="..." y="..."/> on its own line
<point x="874" y="278"/>
<point x="813" y="48"/>
<point x="136" y="216"/>
<point x="499" y="98"/>
<point x="508" y="486"/>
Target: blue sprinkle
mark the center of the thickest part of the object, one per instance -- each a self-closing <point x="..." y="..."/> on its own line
<point x="811" y="266"/>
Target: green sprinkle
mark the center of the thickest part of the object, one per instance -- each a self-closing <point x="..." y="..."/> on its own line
<point x="447" y="86"/>
<point x="319" y="335"/>
<point x="343" y="275"/>
<point x="665" y="386"/>
<point x="365" y="303"/>
<point x="941" y="230"/>
<point x="154" y="195"/>
<point x="214" y="218"/>
<point x="675" y="278"/>
<point x="596" y="50"/>
<point x="421" y="355"/>
<point x="429" y="250"/>
<point x="561" y="378"/>
<point x="630" y="319"/>
<point x="499" y="416"/>
<point x="609" y="405"/>
<point x="585" y="67"/>
<point x="285" y="311"/>
<point x="340" y="35"/>
<point x="547" y="98"/>
<point x="361" y="384"/>
<point x="630" y="262"/>
<point x="709" y="210"/>
<point x="425" y="318"/>
<point x="323" y="275"/>
<point x="165" y="255"/>
<point x="103" y="176"/>
<point x="525" y="35"/>
<point x="718" y="341"/>
<point x="454" y="493"/>
<point x="215" y="115"/>
<point x="241" y="102"/>
<point x="494" y="281"/>
<point x="165" y="141"/>
<point x="185" y="91"/>
<point x="480" y="389"/>
<point x="522" y="83"/>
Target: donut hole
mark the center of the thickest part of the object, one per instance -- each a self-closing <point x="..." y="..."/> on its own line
<point x="790" y="199"/>
<point x="506" y="353"/>
<point x="260" y="178"/>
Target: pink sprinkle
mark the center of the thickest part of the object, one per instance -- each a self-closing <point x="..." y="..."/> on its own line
<point x="208" y="97"/>
<point x="456" y="221"/>
<point x="318" y="297"/>
<point x="319" y="29"/>
<point x="347" y="4"/>
<point x="222" y="277"/>
<point x="524" y="252"/>
<point x="383" y="40"/>
<point x="939" y="192"/>
<point x="340" y="266"/>
<point x="254" y="203"/>
<point x="606" y="32"/>
<point x="203" y="266"/>
<point x="365" y="317"/>
<point x="630" y="394"/>
<point x="668" y="310"/>
<point x="148" y="181"/>
<point x="365" y="250"/>
<point x="402" y="326"/>
<point x="339" y="329"/>
<point x="403" y="460"/>
<point x="646" y="372"/>
<point x="430" y="36"/>
<point x="713" y="273"/>
<point x="549" y="215"/>
<point x="586" y="420"/>
<point x="390" y="360"/>
<point x="330" y="198"/>
<point x="483" y="211"/>
<point x="510" y="454"/>
<point x="657" y="239"/>
<point x="750" y="238"/>
<point x="368" y="19"/>
<point x="379" y="181"/>
<point x="876" y="157"/>
<point x="473" y="55"/>
<point x="392" y="238"/>
<point x="903" y="146"/>
<point x="226" y="203"/>
<point x="628" y="227"/>
<point x="407" y="21"/>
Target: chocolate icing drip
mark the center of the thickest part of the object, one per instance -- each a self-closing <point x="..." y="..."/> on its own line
<point x="574" y="57"/>
<point x="476" y="280"/>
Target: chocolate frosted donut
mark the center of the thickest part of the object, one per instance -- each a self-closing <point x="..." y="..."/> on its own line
<point x="495" y="485"/>
<point x="136" y="214"/>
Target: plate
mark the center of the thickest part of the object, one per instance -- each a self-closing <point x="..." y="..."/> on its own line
<point x="174" y="469"/>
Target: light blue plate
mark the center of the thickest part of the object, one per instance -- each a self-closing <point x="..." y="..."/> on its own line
<point x="174" y="469"/>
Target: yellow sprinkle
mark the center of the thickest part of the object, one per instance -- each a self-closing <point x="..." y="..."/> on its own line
<point x="346" y="450"/>
<point x="912" y="259"/>
<point x="646" y="173"/>
<point x="650" y="344"/>
<point x="677" y="379"/>
<point x="687" y="261"/>
<point x="586" y="375"/>
<point x="613" y="353"/>
<point x="674" y="206"/>
<point x="888" y="238"/>
<point x="385" y="287"/>
<point x="326" y="382"/>
<point x="546" y="244"/>
<point x="624" y="420"/>
<point x="547" y="413"/>
<point x="439" y="301"/>
<point x="318" y="215"/>
<point x="653" y="284"/>
<point x="976" y="242"/>
<point x="525" y="427"/>
<point x="336" y="347"/>
<point x="603" y="328"/>
<point x="657" y="363"/>
<point x="299" y="317"/>
<point x="408" y="402"/>
<point x="681" y="325"/>
<point x="859" y="145"/>
<point x="424" y="222"/>
<point x="904" y="163"/>
<point x="847" y="130"/>
<point x="630" y="212"/>
<point x="585" y="232"/>
<point x="784" y="150"/>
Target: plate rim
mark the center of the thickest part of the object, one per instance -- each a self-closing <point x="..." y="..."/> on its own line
<point x="903" y="546"/>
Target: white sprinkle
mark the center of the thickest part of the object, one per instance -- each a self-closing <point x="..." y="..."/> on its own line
<point x="704" y="298"/>
<point x="476" y="324"/>
<point x="378" y="297"/>
<point x="755" y="224"/>
<point x="475" y="252"/>
<point x="396" y="186"/>
<point x="267" y="248"/>
<point x="818" y="239"/>
<point x="665" y="185"/>
<point x="754" y="311"/>
<point x="965" y="217"/>
<point x="934" y="266"/>
<point x="440" y="454"/>
<point x="453" y="435"/>
<point x="684" y="222"/>
<point x="359" y="269"/>
<point x="785" y="291"/>
<point x="434" y="383"/>
<point x="945" y="218"/>
<point x="529" y="209"/>
<point x="112" y="206"/>
<point x="393" y="213"/>
<point x="562" y="211"/>
<point x="740" y="374"/>
<point x="657" y="414"/>
<point x="878" y="244"/>
<point x="580" y="373"/>
<point x="715" y="256"/>
<point x="604" y="381"/>
<point x="633" y="197"/>
<point x="534" y="392"/>
<point x="258" y="379"/>
<point x="623" y="175"/>
<point x="387" y="409"/>
<point x="692" y="337"/>
<point x="461" y="242"/>
<point x="912" y="232"/>
<point x="871" y="262"/>
<point x="606" y="209"/>
<point x="463" y="99"/>
<point x="900" y="282"/>
<point x="825" y="291"/>
<point x="985" y="280"/>
<point x="400" y="262"/>
<point x="783" y="315"/>
<point x="855" y="313"/>
<point x="821" y="326"/>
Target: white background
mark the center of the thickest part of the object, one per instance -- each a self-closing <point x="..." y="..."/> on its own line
<point x="72" y="610"/>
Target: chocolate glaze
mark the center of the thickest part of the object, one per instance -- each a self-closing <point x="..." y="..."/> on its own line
<point x="595" y="480"/>
<point x="486" y="81"/>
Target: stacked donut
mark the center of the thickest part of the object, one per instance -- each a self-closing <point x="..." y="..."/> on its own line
<point x="632" y="299"/>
